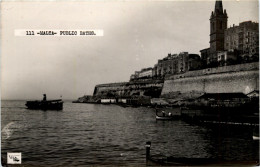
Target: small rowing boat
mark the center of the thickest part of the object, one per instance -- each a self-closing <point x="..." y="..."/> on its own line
<point x="163" y="115"/>
<point x="256" y="134"/>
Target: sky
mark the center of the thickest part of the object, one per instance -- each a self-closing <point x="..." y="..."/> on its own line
<point x="136" y="35"/>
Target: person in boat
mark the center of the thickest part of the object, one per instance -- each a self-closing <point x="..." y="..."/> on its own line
<point x="163" y="113"/>
<point x="44" y="97"/>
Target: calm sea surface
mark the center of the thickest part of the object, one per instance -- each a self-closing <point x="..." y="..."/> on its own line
<point x="91" y="134"/>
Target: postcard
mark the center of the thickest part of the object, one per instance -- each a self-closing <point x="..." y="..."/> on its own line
<point x="129" y="83"/>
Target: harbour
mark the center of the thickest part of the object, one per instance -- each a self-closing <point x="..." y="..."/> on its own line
<point x="149" y="83"/>
<point x="105" y="135"/>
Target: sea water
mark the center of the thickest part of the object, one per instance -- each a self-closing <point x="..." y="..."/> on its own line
<point x="95" y="134"/>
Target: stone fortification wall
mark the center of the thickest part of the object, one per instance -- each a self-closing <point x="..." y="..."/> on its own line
<point x="110" y="86"/>
<point x="190" y="87"/>
<point x="126" y="89"/>
<point x="117" y="84"/>
<point x="217" y="70"/>
<point x="237" y="78"/>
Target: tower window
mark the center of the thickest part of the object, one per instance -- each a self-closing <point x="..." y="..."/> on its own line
<point x="221" y="25"/>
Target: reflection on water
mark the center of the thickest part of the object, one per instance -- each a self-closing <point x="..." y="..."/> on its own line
<point x="89" y="134"/>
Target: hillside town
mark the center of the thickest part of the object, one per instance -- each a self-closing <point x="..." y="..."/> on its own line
<point x="238" y="45"/>
<point x="228" y="46"/>
<point x="233" y="51"/>
<point x="162" y="83"/>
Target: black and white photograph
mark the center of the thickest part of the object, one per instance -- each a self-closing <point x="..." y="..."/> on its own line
<point x="129" y="83"/>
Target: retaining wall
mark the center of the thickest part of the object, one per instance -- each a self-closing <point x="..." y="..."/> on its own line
<point x="242" y="81"/>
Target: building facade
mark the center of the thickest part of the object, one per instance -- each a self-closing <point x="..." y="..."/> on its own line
<point x="146" y="73"/>
<point x="195" y="62"/>
<point x="183" y="60"/>
<point x="226" y="58"/>
<point x="176" y="64"/>
<point x="168" y="65"/>
<point x="204" y="53"/>
<point x="143" y="74"/>
<point x="243" y="38"/>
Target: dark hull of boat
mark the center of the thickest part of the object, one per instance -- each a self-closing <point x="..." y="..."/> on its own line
<point x="45" y="105"/>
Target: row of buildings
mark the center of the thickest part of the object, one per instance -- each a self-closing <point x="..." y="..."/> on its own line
<point x="172" y="64"/>
<point x="234" y="45"/>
